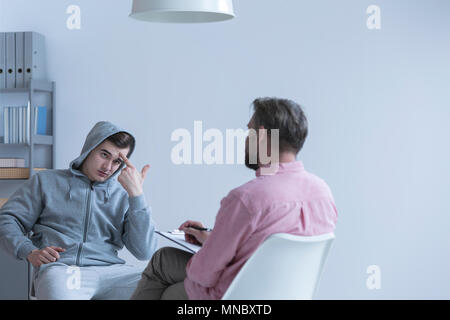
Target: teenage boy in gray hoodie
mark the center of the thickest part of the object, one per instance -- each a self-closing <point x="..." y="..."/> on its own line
<point x="80" y="218"/>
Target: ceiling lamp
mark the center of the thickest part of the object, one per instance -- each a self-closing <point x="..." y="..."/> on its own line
<point x="182" y="11"/>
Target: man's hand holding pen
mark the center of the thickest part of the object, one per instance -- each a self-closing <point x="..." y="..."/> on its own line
<point x="195" y="232"/>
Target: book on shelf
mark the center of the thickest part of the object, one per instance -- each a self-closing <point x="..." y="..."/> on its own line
<point x="40" y="120"/>
<point x="17" y="123"/>
<point x="12" y="163"/>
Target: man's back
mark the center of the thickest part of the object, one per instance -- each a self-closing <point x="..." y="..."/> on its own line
<point x="290" y="201"/>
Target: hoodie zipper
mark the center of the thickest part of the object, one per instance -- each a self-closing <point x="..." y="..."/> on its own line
<point x="86" y="222"/>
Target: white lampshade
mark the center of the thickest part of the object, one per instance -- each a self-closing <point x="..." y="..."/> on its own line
<point x="182" y="11"/>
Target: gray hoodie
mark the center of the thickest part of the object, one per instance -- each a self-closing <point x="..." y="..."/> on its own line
<point x="92" y="221"/>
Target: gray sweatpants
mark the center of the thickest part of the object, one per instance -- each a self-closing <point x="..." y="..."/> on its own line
<point x="62" y="282"/>
<point x="163" y="279"/>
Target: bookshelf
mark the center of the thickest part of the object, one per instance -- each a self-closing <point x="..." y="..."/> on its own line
<point x="25" y="96"/>
<point x="38" y="154"/>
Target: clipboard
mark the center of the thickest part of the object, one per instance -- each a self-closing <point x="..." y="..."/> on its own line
<point x="178" y="238"/>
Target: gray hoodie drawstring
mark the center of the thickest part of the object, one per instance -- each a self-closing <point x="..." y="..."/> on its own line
<point x="107" y="196"/>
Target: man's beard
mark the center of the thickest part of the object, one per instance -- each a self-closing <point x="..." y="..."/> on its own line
<point x="253" y="166"/>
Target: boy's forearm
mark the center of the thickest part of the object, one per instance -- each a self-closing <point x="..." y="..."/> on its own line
<point x="139" y="236"/>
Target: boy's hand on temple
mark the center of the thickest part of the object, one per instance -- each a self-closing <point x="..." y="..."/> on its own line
<point x="131" y="179"/>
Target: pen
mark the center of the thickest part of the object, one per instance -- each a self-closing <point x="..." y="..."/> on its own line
<point x="200" y="228"/>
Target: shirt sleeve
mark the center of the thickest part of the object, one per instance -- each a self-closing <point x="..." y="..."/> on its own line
<point x="233" y="227"/>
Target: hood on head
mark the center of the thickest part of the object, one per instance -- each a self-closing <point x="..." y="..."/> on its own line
<point x="96" y="136"/>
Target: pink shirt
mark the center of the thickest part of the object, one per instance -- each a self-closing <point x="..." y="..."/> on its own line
<point x="290" y="201"/>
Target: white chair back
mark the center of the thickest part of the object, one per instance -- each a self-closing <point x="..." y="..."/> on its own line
<point x="284" y="267"/>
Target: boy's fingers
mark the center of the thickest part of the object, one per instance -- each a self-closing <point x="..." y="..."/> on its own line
<point x="53" y="253"/>
<point x="125" y="159"/>
<point x="59" y="249"/>
<point x="145" y="170"/>
<point x="44" y="259"/>
<point x="47" y="255"/>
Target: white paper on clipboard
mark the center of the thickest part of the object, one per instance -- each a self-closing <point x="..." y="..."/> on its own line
<point x="179" y="239"/>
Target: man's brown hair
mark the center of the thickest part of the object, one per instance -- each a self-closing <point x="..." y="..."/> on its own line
<point x="285" y="115"/>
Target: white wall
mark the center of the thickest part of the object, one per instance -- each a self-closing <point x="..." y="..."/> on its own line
<point x="377" y="103"/>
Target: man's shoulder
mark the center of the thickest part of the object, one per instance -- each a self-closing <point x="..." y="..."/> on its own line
<point x="258" y="184"/>
<point x="244" y="188"/>
<point x="267" y="189"/>
<point x="316" y="185"/>
<point x="248" y="192"/>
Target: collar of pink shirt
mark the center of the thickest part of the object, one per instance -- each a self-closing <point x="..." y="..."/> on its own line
<point x="279" y="167"/>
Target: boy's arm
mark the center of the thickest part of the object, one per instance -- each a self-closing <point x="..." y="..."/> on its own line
<point x="139" y="229"/>
<point x="18" y="216"/>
